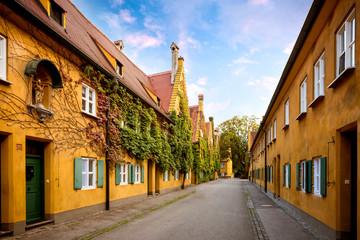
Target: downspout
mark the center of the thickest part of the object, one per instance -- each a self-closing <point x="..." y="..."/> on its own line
<point x="107" y="201"/>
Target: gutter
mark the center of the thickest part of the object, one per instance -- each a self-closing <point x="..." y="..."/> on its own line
<point x="305" y="30"/>
<point x="28" y="16"/>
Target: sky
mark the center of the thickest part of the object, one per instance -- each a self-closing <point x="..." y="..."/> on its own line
<point x="234" y="50"/>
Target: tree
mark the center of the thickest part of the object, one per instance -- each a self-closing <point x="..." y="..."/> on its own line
<point x="234" y="135"/>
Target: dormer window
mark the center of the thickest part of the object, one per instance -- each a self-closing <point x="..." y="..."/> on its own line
<point x="57" y="13"/>
<point x="119" y="68"/>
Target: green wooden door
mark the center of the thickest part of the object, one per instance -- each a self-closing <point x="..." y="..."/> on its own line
<point x="34" y="189"/>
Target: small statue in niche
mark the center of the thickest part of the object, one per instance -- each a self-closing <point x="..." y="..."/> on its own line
<point x="39" y="91"/>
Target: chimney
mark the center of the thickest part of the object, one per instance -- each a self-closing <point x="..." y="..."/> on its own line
<point x="174" y="61"/>
<point x="119" y="44"/>
<point x="201" y="98"/>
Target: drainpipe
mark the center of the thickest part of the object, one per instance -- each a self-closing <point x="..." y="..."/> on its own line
<point x="265" y="162"/>
<point x="107" y="181"/>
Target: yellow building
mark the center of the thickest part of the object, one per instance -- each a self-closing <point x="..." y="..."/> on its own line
<point x="71" y="107"/>
<point x="226" y="167"/>
<point x="306" y="151"/>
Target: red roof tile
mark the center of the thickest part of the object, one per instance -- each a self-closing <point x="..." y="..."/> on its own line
<point x="161" y="83"/>
<point x="81" y="33"/>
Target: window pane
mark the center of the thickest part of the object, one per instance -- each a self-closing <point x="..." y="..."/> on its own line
<point x="90" y="107"/>
<point x="83" y="92"/>
<point x="84" y="165"/>
<point x="84" y="180"/>
<point x="91" y="165"/>
<point x="83" y="105"/>
<point x="91" y="179"/>
<point x="342" y="42"/>
<point x="342" y="63"/>
<point x="91" y="93"/>
<point x="352" y="37"/>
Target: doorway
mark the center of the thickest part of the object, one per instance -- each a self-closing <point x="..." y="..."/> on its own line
<point x="348" y="180"/>
<point x="34" y="182"/>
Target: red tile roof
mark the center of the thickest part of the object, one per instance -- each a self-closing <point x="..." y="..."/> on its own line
<point x="161" y="83"/>
<point x="82" y="34"/>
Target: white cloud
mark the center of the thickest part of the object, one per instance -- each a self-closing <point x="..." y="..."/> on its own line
<point x="263" y="98"/>
<point x="115" y="3"/>
<point x="289" y="47"/>
<point x="149" y="24"/>
<point x="253" y="50"/>
<point x="193" y="91"/>
<point x="202" y="80"/>
<point x="243" y="60"/>
<point x="268" y="83"/>
<point x="258" y="2"/>
<point x="250" y="83"/>
<point x="142" y="40"/>
<point x="126" y="16"/>
<point x="189" y="42"/>
<point x="210" y="108"/>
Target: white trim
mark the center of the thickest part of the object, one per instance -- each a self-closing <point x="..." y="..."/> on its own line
<point x="88" y="173"/>
<point x="345" y="45"/>
<point x="303" y="89"/>
<point x="317" y="172"/>
<point x="287" y="111"/>
<point x="319" y="76"/>
<point x="286" y="175"/>
<point x="275" y="129"/>
<point x="88" y="103"/>
<point x="124" y="174"/>
<point x="303" y="176"/>
<point x="3" y="58"/>
<point x="137" y="173"/>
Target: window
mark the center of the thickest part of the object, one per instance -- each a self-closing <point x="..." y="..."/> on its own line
<point x="88" y="99"/>
<point x="187" y="176"/>
<point x="303" y="96"/>
<point x="271" y="173"/>
<point x="166" y="175"/>
<point x="287" y="175"/>
<point x="317" y="176"/>
<point x="123" y="174"/>
<point x="119" y="68"/>
<point x="287" y="112"/>
<point x="222" y="165"/>
<point x="57" y="13"/>
<point x="137" y="173"/>
<point x="319" y="76"/>
<point x="268" y="135"/>
<point x="345" y="45"/>
<point x="88" y="173"/>
<point x="271" y="133"/>
<point x="177" y="177"/>
<point x="3" y="58"/>
<point x="303" y="176"/>
<point x="275" y="129"/>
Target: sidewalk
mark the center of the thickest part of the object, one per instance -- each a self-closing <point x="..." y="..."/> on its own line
<point x="102" y="220"/>
<point x="270" y="220"/>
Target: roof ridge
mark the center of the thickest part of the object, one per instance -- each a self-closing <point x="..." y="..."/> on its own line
<point x="160" y="73"/>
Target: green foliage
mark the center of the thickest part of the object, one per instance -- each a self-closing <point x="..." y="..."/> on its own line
<point x="135" y="128"/>
<point x="234" y="135"/>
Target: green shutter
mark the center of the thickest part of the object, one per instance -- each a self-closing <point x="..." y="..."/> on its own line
<point x="297" y="176"/>
<point x="289" y="175"/>
<point x="142" y="173"/>
<point x="100" y="172"/>
<point x="117" y="173"/>
<point x="78" y="173"/>
<point x="309" y="176"/>
<point x="272" y="173"/>
<point x="169" y="175"/>
<point x="133" y="173"/>
<point x="323" y="176"/>
<point x="164" y="176"/>
<point x="283" y="175"/>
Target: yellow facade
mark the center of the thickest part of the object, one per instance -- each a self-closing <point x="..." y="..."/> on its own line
<point x="327" y="129"/>
<point x="60" y="137"/>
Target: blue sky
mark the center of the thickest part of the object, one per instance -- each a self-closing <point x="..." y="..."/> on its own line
<point x="234" y="50"/>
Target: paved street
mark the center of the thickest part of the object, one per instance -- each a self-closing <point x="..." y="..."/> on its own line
<point x="216" y="211"/>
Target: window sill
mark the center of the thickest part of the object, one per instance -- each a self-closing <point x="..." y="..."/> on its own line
<point x="5" y="81"/>
<point x="123" y="184"/>
<point x="274" y="140"/>
<point x="301" y="116"/>
<point x="88" y="188"/>
<point x="89" y="115"/>
<point x="286" y="126"/>
<point x="342" y="75"/>
<point x="316" y="101"/>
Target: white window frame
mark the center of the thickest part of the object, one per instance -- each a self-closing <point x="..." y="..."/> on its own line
<point x="187" y="176"/>
<point x="319" y="76"/>
<point x="177" y="175"/>
<point x="3" y="58"/>
<point x="303" y="176"/>
<point x="271" y="133"/>
<point x="275" y="129"/>
<point x="268" y="133"/>
<point x="137" y="173"/>
<point x="287" y="175"/>
<point x="303" y="91"/>
<point x="345" y="44"/>
<point x="124" y="174"/>
<point x="222" y="165"/>
<point x="287" y="112"/>
<point x="166" y="173"/>
<point x="88" y="92"/>
<point x="316" y="174"/>
<point x="86" y="184"/>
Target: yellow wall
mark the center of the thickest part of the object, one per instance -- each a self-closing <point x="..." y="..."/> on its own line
<point x="308" y="138"/>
